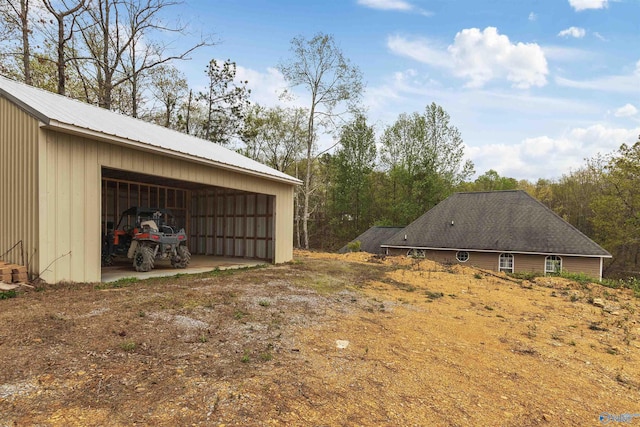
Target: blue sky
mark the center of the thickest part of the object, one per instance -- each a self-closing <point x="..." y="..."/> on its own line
<point x="534" y="86"/>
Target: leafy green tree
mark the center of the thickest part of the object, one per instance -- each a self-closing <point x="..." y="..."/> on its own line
<point x="424" y="156"/>
<point x="354" y="162"/>
<point x="275" y="136"/>
<point x="617" y="209"/>
<point x="573" y="195"/>
<point x="319" y="66"/>
<point x="168" y="87"/>
<point x="490" y="181"/>
<point x="225" y="102"/>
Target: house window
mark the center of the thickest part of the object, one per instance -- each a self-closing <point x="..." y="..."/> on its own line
<point x="462" y="256"/>
<point x="553" y="264"/>
<point x="416" y="253"/>
<point x="506" y="263"/>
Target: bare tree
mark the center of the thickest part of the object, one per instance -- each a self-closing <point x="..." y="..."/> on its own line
<point x="63" y="37"/>
<point x="319" y="66"/>
<point x="15" y="14"/>
<point x="113" y="34"/>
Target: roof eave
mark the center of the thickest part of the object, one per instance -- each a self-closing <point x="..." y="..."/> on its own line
<point x="113" y="139"/>
<point x="494" y="251"/>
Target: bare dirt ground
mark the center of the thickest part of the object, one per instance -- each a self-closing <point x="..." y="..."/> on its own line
<point x="327" y="340"/>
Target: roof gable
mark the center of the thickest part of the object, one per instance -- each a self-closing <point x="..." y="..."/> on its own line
<point x="69" y="115"/>
<point x="506" y="221"/>
<point x="371" y="239"/>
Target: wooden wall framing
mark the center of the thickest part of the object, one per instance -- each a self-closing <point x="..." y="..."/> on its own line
<point x="119" y="195"/>
<point x="219" y="221"/>
<point x="231" y="223"/>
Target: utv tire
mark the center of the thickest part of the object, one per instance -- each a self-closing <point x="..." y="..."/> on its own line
<point x="143" y="258"/>
<point x="184" y="257"/>
<point x="107" y="260"/>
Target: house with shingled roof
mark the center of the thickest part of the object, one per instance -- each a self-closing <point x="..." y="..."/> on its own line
<point x="371" y="239"/>
<point x="507" y="231"/>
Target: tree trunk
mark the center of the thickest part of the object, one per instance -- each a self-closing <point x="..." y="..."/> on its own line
<point x="61" y="64"/>
<point x="26" y="47"/>
<point x="307" y="181"/>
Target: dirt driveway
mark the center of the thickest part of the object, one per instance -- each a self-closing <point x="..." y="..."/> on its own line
<point x="327" y="340"/>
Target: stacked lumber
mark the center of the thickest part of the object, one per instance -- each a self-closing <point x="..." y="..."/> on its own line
<point x="13" y="273"/>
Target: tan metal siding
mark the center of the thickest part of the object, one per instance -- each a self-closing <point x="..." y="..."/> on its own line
<point x="125" y="158"/>
<point x="72" y="178"/>
<point x="19" y="135"/>
<point x="71" y="215"/>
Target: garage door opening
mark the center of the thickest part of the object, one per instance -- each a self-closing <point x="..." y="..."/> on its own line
<point x="220" y="222"/>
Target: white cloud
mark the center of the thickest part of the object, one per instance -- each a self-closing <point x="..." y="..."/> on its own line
<point x="576" y="32"/>
<point x="422" y="50"/>
<point x="533" y="17"/>
<point x="480" y="57"/>
<point x="399" y="5"/>
<point x="266" y="87"/>
<point x="627" y="84"/>
<point x="627" y="110"/>
<point x="567" y="54"/>
<point x="600" y="36"/>
<point x="550" y="157"/>
<point x="386" y="4"/>
<point x="579" y="5"/>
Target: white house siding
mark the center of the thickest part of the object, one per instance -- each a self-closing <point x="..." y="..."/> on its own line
<point x="18" y="184"/>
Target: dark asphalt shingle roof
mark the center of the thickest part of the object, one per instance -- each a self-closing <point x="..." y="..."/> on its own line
<point x="506" y="221"/>
<point x="371" y="239"/>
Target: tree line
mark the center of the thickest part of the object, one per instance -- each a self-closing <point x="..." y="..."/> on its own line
<point x="110" y="53"/>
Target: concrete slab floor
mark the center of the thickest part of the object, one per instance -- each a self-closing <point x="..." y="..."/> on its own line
<point x="123" y="268"/>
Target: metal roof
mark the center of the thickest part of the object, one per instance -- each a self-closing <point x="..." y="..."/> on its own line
<point x="72" y="116"/>
<point x="505" y="221"/>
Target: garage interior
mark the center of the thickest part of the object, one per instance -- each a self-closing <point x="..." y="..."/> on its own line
<point x="220" y="222"/>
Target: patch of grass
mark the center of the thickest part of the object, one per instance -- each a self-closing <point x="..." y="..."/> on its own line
<point x="265" y="357"/>
<point x="581" y="278"/>
<point x="264" y="303"/>
<point x="532" y="331"/>
<point x="434" y="295"/>
<point x="239" y="314"/>
<point x="120" y="283"/>
<point x="525" y="275"/>
<point x="354" y="246"/>
<point x="595" y="326"/>
<point x="529" y="351"/>
<point x="632" y="283"/>
<point x="128" y="346"/>
<point x="612" y="350"/>
<point x="8" y="294"/>
<point x="477" y="276"/>
<point x="203" y="338"/>
<point x="245" y="357"/>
